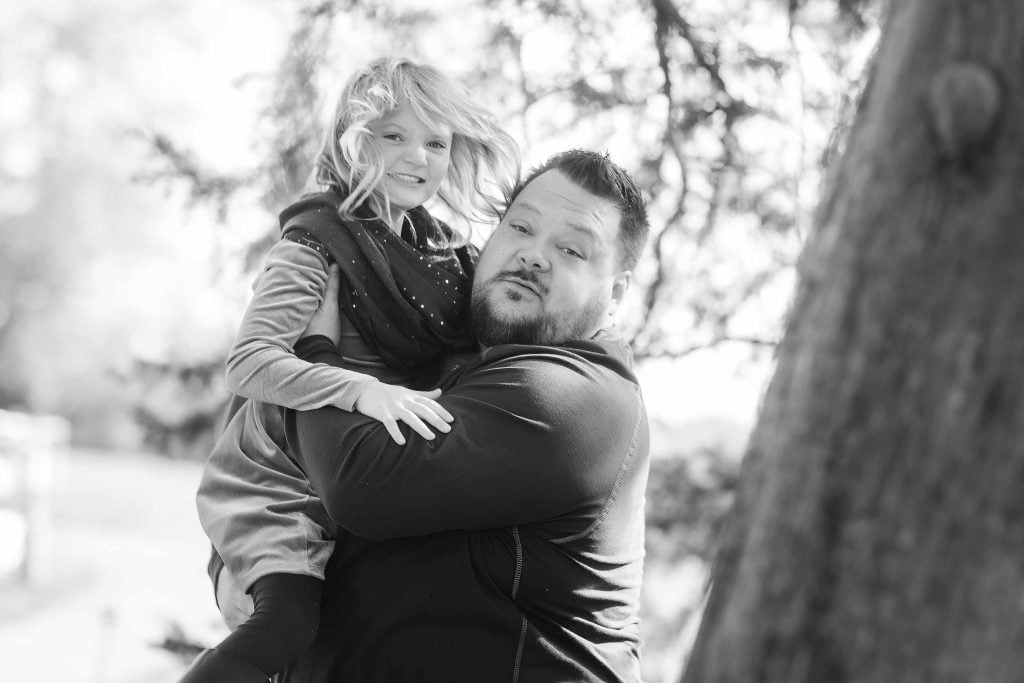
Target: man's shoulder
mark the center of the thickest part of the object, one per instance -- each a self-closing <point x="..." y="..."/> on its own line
<point x="580" y="374"/>
<point x="605" y="355"/>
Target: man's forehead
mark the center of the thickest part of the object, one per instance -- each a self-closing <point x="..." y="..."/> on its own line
<point x="583" y="210"/>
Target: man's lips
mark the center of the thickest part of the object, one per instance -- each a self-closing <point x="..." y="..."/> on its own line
<point x="526" y="284"/>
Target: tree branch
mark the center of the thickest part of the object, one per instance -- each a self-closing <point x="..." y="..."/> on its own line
<point x="182" y="165"/>
<point x="667" y="14"/>
<point x="714" y="342"/>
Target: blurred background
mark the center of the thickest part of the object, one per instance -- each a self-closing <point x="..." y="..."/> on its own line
<point x="145" y="150"/>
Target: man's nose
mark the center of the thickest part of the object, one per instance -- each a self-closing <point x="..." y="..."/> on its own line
<point x="532" y="257"/>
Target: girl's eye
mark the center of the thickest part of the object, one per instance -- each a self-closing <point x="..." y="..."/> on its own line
<point x="519" y="228"/>
<point x="391" y="136"/>
<point x="438" y="145"/>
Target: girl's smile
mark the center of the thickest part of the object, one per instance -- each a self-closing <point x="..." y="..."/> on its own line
<point x="416" y="156"/>
<point x="406" y="178"/>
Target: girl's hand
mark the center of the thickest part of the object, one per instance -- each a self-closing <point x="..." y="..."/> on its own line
<point x="389" y="404"/>
<point x="327" y="320"/>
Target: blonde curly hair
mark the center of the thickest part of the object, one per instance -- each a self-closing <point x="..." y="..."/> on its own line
<point x="484" y="161"/>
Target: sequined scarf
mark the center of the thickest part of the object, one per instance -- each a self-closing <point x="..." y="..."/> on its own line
<point x="409" y="300"/>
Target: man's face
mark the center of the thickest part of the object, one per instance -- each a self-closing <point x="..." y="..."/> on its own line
<point x="550" y="271"/>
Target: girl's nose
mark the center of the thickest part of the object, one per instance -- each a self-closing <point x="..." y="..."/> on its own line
<point x="416" y="154"/>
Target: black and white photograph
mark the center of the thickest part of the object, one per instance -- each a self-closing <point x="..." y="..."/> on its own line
<point x="663" y="341"/>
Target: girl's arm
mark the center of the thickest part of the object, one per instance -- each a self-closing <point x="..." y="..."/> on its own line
<point x="261" y="364"/>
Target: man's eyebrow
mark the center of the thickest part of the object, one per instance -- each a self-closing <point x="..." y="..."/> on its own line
<point x="588" y="230"/>
<point x="526" y="206"/>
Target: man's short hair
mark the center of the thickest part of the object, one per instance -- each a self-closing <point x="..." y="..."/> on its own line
<point x="599" y="175"/>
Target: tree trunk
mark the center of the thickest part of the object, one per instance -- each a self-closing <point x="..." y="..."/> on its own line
<point x="878" y="530"/>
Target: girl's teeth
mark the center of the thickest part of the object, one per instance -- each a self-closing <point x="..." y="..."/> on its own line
<point x="405" y="178"/>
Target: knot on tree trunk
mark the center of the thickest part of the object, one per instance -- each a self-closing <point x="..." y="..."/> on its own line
<point x="964" y="100"/>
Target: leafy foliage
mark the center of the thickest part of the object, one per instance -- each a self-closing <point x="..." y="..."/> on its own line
<point x="686" y="501"/>
<point x="711" y="105"/>
<point x="178" y="405"/>
<point x="725" y="112"/>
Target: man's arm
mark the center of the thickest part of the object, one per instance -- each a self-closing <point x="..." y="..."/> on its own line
<point x="535" y="437"/>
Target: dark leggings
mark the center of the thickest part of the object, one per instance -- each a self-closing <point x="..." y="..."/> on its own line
<point x="286" y="613"/>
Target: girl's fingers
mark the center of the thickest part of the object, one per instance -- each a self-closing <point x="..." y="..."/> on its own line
<point x="437" y="409"/>
<point x="396" y="434"/>
<point x="417" y="425"/>
<point x="435" y="418"/>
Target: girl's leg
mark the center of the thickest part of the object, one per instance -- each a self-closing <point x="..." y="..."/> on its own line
<point x="286" y="613"/>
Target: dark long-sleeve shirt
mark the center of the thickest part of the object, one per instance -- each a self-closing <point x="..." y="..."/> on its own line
<point x="508" y="549"/>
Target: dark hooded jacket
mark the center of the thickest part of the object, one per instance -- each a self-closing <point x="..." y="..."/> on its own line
<point x="509" y="549"/>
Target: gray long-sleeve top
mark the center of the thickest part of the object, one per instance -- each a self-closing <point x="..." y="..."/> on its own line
<point x="262" y="364"/>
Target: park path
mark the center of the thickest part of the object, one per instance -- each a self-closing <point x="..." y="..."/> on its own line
<point x="128" y="560"/>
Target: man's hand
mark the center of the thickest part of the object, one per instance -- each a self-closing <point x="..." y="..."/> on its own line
<point x="389" y="404"/>
<point x="327" y="319"/>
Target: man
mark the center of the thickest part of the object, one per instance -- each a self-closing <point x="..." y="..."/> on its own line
<point x="510" y="548"/>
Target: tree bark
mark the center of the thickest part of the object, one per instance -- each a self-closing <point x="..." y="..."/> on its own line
<point x="878" y="529"/>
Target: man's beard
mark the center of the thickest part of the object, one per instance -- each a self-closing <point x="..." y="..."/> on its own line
<point x="542" y="328"/>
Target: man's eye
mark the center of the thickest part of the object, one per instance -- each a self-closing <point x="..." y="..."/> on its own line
<point x="572" y="252"/>
<point x="519" y="228"/>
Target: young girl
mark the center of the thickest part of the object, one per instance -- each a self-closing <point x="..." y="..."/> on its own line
<point x="402" y="134"/>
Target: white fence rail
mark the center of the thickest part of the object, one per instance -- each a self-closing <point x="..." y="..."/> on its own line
<point x="30" y="448"/>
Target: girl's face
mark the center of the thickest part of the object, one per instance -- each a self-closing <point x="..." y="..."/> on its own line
<point x="415" y="155"/>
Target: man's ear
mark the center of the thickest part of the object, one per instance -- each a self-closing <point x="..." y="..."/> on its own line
<point x="620" y="283"/>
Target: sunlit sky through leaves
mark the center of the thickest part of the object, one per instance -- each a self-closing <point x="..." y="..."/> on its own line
<point x="140" y="272"/>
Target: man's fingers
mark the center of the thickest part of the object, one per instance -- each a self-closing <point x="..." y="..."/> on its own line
<point x="333" y="285"/>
